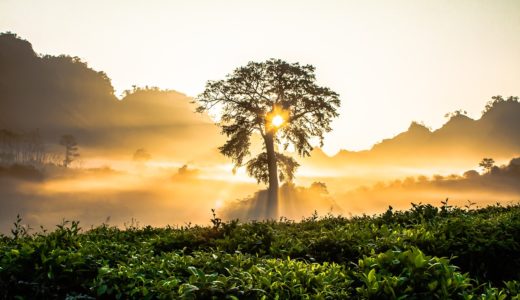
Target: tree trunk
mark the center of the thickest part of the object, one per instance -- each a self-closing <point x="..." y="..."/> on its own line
<point x="272" y="194"/>
<point x="68" y="154"/>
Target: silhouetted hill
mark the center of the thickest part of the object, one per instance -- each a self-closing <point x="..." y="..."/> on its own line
<point x="48" y="91"/>
<point x="460" y="142"/>
<point x="62" y="95"/>
<point x="498" y="184"/>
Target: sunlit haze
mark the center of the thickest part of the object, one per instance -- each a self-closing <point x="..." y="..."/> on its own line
<point x="163" y="110"/>
<point x="255" y="149"/>
<point x="391" y="62"/>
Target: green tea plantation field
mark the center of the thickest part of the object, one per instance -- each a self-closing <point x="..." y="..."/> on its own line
<point x="425" y="252"/>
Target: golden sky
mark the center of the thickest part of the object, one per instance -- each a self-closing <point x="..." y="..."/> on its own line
<point x="391" y="61"/>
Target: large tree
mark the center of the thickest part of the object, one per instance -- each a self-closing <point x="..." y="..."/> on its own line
<point x="280" y="101"/>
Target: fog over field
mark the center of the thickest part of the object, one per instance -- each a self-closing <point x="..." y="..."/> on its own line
<point x="149" y="158"/>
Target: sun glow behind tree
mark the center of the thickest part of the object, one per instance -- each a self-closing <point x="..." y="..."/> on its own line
<point x="282" y="103"/>
<point x="277" y="118"/>
<point x="277" y="121"/>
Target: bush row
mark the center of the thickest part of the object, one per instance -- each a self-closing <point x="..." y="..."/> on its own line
<point x="423" y="253"/>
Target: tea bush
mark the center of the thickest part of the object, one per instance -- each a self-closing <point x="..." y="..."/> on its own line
<point x="426" y="252"/>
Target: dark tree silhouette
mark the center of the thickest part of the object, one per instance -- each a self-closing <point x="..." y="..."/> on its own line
<point x="71" y="149"/>
<point x="22" y="148"/>
<point x="487" y="164"/>
<point x="278" y="100"/>
<point x="141" y="155"/>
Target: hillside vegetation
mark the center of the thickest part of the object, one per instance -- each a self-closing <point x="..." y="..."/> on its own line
<point x="67" y="96"/>
<point x="426" y="252"/>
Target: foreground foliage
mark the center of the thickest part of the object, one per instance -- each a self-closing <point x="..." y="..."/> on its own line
<point x="423" y="253"/>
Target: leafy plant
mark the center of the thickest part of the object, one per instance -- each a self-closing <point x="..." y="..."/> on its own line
<point x="426" y="252"/>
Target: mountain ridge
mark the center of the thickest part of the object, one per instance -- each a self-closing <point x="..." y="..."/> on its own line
<point x="62" y="94"/>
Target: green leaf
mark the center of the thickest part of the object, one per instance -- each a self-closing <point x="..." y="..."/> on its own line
<point x="188" y="288"/>
<point x="419" y="261"/>
<point x="371" y="276"/>
<point x="101" y="289"/>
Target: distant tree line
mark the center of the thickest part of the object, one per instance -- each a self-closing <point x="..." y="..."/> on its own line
<point x="22" y="148"/>
<point x="28" y="148"/>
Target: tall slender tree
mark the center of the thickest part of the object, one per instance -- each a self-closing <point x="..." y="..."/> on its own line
<point x="282" y="103"/>
<point x="71" y="149"/>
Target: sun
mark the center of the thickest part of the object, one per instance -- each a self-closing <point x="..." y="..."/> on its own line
<point x="277" y="118"/>
<point x="277" y="121"/>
